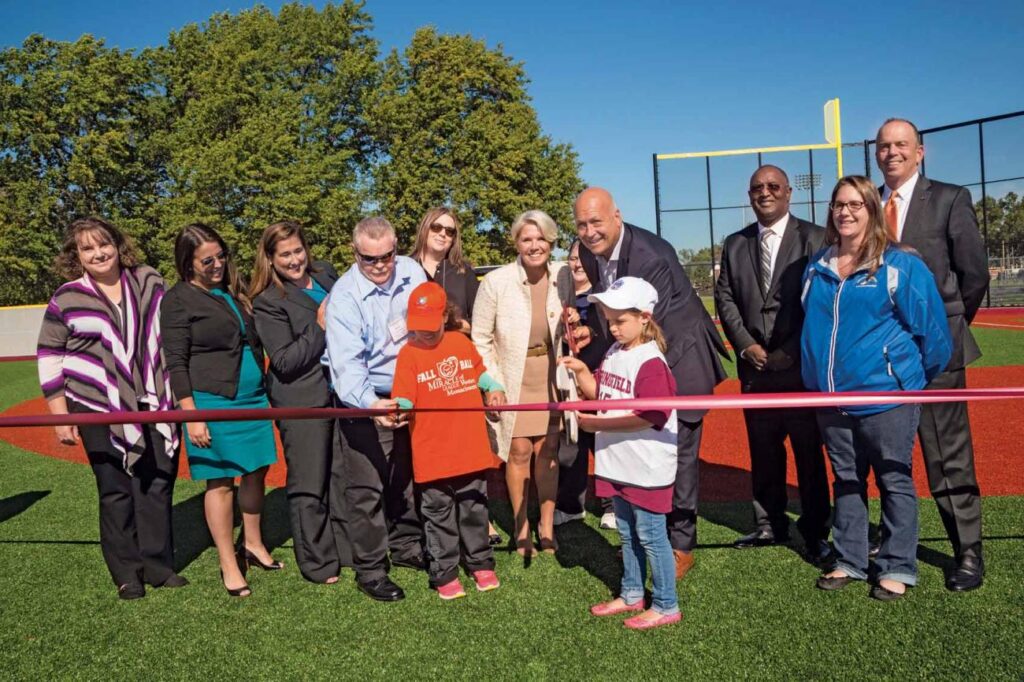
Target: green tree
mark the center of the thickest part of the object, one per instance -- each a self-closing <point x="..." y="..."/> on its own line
<point x="69" y="146"/>
<point x="265" y="123"/>
<point x="454" y="125"/>
<point x="1005" y="224"/>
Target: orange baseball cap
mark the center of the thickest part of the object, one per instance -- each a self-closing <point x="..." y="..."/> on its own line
<point x="427" y="304"/>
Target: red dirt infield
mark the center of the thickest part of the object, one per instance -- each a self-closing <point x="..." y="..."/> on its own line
<point x="725" y="461"/>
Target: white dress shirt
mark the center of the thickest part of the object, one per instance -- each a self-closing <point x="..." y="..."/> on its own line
<point x="774" y="241"/>
<point x="905" y="191"/>
<point x="608" y="268"/>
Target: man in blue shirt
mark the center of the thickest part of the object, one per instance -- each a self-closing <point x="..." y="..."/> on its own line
<point x="365" y="327"/>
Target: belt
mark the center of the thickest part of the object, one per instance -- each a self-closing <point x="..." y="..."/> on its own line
<point x="537" y="351"/>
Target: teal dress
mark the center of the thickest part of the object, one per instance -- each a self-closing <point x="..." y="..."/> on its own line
<point x="316" y="292"/>
<point x="236" y="448"/>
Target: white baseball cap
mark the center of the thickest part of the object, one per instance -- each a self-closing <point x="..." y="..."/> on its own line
<point x="628" y="293"/>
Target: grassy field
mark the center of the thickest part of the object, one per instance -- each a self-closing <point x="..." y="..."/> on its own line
<point x="752" y="614"/>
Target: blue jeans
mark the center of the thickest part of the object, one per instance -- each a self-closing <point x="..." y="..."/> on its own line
<point x="884" y="443"/>
<point x="645" y="542"/>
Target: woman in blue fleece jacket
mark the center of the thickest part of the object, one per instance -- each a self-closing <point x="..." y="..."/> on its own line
<point x="874" y="321"/>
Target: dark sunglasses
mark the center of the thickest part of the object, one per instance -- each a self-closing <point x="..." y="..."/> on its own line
<point x="208" y="261"/>
<point x="437" y="228"/>
<point x="772" y="187"/>
<point x="373" y="260"/>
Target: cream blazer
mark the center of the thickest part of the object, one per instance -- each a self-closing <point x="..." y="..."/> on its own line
<point x="501" y="331"/>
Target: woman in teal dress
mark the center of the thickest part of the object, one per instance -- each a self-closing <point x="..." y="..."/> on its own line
<point x="215" y="361"/>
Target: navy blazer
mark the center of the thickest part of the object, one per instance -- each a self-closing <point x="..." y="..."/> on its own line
<point x="692" y="339"/>
<point x="772" y="319"/>
<point x="294" y="342"/>
<point x="942" y="227"/>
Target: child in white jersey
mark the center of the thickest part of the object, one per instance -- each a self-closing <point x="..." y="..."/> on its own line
<point x="635" y="451"/>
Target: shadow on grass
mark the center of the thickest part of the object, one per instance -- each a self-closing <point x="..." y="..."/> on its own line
<point x="16" y="504"/>
<point x="192" y="537"/>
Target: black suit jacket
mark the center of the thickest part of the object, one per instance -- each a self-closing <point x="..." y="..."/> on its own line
<point x="941" y="226"/>
<point x="773" y="318"/>
<point x="286" y="322"/>
<point x="690" y="334"/>
<point x="203" y="342"/>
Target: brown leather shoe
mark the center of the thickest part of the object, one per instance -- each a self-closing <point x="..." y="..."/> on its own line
<point x="684" y="562"/>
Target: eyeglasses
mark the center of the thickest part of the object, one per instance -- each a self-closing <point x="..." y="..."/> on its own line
<point x="373" y="260"/>
<point x="772" y="187"/>
<point x="854" y="206"/>
<point x="209" y="260"/>
<point x="437" y="228"/>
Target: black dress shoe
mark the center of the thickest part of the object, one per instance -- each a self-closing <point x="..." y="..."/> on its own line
<point x="833" y="584"/>
<point x="967" y="575"/>
<point x="874" y="547"/>
<point x="417" y="562"/>
<point x="174" y="581"/>
<point x="759" y="538"/>
<point x="132" y="590"/>
<point x="820" y="554"/>
<point x="884" y="594"/>
<point x="381" y="589"/>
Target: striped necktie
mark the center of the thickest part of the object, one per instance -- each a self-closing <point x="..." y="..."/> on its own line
<point x="766" y="260"/>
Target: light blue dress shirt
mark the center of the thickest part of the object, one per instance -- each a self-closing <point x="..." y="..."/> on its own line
<point x="361" y="318"/>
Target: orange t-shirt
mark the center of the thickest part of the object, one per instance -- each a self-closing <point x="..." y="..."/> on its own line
<point x="444" y="444"/>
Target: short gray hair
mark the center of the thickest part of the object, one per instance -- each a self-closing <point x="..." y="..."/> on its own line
<point x="374" y="227"/>
<point x="545" y="223"/>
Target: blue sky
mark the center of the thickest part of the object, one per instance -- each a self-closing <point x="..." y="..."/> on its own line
<point x="621" y="81"/>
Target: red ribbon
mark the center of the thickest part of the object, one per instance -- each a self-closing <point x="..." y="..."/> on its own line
<point x="701" y="402"/>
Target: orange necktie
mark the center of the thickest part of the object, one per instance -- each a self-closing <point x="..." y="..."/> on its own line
<point x="892" y="216"/>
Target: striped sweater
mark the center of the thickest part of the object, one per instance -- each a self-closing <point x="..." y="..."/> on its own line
<point x="107" y="358"/>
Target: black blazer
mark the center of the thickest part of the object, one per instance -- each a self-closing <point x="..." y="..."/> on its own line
<point x="941" y="226"/>
<point x="287" y="327"/>
<point x="459" y="287"/>
<point x="773" y="318"/>
<point x="203" y="341"/>
<point x="690" y="334"/>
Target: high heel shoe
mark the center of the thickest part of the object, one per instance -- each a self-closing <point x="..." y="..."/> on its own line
<point x="243" y="591"/>
<point x="252" y="559"/>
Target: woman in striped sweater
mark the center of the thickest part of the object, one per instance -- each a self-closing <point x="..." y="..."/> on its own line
<point x="99" y="351"/>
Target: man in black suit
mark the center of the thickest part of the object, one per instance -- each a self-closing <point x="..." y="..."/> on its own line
<point x="758" y="301"/>
<point x="937" y="219"/>
<point x="615" y="249"/>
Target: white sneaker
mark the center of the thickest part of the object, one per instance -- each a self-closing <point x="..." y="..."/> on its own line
<point x="561" y="517"/>
<point x="608" y="521"/>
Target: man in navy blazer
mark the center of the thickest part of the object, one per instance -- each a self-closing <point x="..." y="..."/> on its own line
<point x="614" y="249"/>
<point x="937" y="219"/>
<point x="758" y="301"/>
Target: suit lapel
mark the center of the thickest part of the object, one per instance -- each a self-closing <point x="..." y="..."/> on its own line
<point x="754" y="251"/>
<point x="299" y="297"/>
<point x="790" y="240"/>
<point x="918" y="209"/>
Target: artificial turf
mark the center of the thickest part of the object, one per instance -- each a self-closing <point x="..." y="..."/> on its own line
<point x="747" y="614"/>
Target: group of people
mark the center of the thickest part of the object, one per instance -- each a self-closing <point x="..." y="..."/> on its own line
<point x="849" y="307"/>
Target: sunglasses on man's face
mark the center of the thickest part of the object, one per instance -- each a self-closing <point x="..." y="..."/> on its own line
<point x="374" y="260"/>
<point x="437" y="228"/>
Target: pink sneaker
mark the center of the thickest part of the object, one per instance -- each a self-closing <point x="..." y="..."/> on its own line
<point x="486" y="581"/>
<point x="641" y="623"/>
<point x="452" y="590"/>
<point x="610" y="608"/>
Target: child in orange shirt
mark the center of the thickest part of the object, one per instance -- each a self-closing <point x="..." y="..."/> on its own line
<point x="450" y="450"/>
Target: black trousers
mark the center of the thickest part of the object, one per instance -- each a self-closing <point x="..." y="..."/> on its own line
<point x="682" y="520"/>
<point x="945" y="434"/>
<point x="573" y="478"/>
<point x="379" y="512"/>
<point x="312" y="449"/>
<point x="135" y="510"/>
<point x="767" y="431"/>
<point x="455" y="523"/>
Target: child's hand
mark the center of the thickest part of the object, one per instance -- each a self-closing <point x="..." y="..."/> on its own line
<point x="574" y="364"/>
<point x="588" y="422"/>
<point x="496" y="399"/>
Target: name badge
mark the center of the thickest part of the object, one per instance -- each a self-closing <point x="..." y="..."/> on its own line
<point x="398" y="329"/>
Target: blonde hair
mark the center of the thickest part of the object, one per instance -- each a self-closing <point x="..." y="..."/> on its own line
<point x="543" y="222"/>
<point x="454" y="255"/>
<point x="877" y="236"/>
<point x="653" y="332"/>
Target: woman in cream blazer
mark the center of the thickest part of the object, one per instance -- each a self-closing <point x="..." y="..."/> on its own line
<point x="503" y="317"/>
